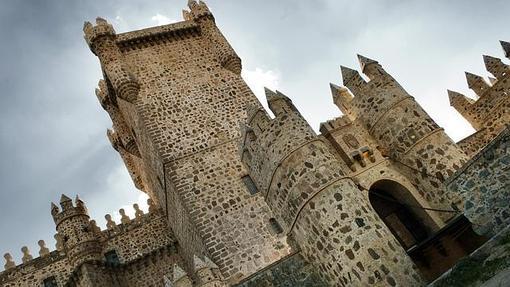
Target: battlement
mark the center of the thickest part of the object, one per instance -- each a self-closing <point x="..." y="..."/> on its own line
<point x="342" y="98"/>
<point x="198" y="9"/>
<point x="101" y="29"/>
<point x="141" y="38"/>
<point x="489" y="111"/>
<point x="68" y="209"/>
<point x="112" y="230"/>
<point x="334" y="124"/>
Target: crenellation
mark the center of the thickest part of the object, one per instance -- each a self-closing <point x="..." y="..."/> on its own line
<point x="101" y="39"/>
<point x="9" y="261"/>
<point x="342" y="98"/>
<point x="506" y="48"/>
<point x="43" y="250"/>
<point x="180" y="277"/>
<point x="353" y="81"/>
<point x="477" y="84"/>
<point x="464" y="106"/>
<point x="496" y="67"/>
<point x="490" y="112"/>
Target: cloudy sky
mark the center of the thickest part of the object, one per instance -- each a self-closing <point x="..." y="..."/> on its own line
<point x="52" y="129"/>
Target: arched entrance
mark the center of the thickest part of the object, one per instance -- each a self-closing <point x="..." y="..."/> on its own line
<point x="434" y="250"/>
<point x="393" y="203"/>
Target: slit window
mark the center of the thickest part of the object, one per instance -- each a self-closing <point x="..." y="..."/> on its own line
<point x="250" y="185"/>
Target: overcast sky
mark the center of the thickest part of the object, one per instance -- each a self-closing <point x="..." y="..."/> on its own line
<point x="52" y="129"/>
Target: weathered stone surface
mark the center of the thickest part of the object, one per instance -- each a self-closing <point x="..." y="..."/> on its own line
<point x="271" y="203"/>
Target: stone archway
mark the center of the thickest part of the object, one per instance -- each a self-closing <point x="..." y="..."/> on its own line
<point x="434" y="250"/>
<point x="394" y="205"/>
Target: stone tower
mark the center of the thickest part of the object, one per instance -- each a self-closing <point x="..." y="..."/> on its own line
<point x="311" y="194"/>
<point x="175" y="96"/>
<point x="403" y="131"/>
<point x="80" y="240"/>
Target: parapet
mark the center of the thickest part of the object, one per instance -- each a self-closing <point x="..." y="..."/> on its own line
<point x="198" y="9"/>
<point x="341" y="98"/>
<point x="101" y="29"/>
<point x="487" y="111"/>
<point x="477" y="84"/>
<point x="102" y="42"/>
<point x="68" y="209"/>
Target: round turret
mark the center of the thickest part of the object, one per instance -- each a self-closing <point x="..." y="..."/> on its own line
<point x="80" y="242"/>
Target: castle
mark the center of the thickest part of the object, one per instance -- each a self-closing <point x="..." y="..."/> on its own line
<point x="382" y="196"/>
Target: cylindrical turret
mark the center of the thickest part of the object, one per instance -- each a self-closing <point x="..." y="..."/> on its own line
<point x="80" y="242"/>
<point x="401" y="127"/>
<point x="225" y="54"/>
<point x="101" y="40"/>
<point x="331" y="219"/>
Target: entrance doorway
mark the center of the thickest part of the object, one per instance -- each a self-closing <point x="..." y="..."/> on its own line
<point x="434" y="250"/>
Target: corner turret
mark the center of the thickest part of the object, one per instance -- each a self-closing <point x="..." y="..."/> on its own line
<point x="200" y="14"/>
<point x="80" y="243"/>
<point x="101" y="40"/>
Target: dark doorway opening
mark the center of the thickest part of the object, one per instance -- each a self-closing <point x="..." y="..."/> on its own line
<point x="434" y="250"/>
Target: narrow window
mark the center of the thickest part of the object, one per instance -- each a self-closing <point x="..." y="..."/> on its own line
<point x="275" y="226"/>
<point x="112" y="258"/>
<point x="50" y="282"/>
<point x="252" y="188"/>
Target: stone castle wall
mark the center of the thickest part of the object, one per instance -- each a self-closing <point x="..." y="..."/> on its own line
<point x="185" y="118"/>
<point x="309" y="191"/>
<point x="485" y="183"/>
<point x="143" y="246"/>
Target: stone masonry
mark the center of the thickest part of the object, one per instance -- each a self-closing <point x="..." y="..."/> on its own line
<point x="381" y="197"/>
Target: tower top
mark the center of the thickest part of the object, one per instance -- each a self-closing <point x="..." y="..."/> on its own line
<point x="102" y="28"/>
<point x="68" y="209"/>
